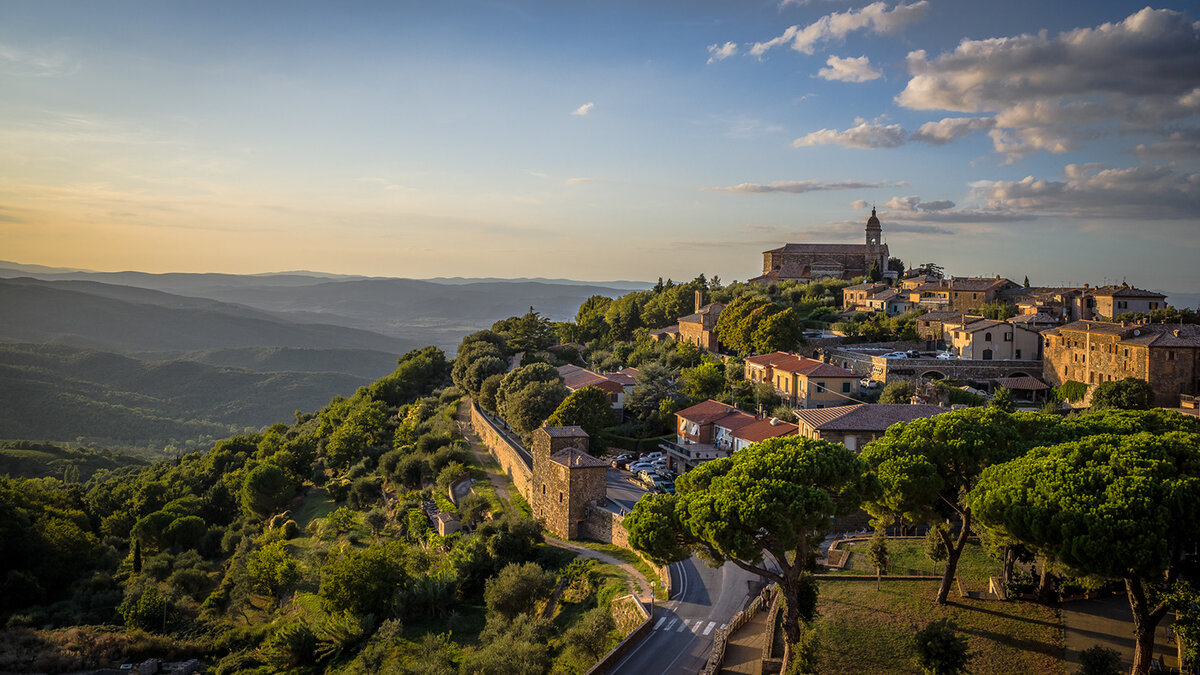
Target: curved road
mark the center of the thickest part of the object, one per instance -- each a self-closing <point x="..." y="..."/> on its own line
<point x="682" y="631"/>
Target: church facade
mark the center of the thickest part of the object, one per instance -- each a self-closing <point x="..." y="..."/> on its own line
<point x="810" y="262"/>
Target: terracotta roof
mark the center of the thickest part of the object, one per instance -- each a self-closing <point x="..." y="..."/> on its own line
<point x="986" y="324"/>
<point x="761" y="430"/>
<point x="1126" y="291"/>
<point x="669" y="330"/>
<point x="942" y="316"/>
<point x="1021" y="383"/>
<point x="564" y="432"/>
<point x="866" y="417"/>
<point x="790" y="363"/>
<point x="1033" y="318"/>
<point x="711" y="308"/>
<point x="735" y="420"/>
<point x="627" y="377"/>
<point x="826" y="249"/>
<point x="576" y="378"/>
<point x="573" y="458"/>
<point x="1144" y="334"/>
<point x="705" y="412"/>
<point x="868" y="286"/>
<point x="884" y="295"/>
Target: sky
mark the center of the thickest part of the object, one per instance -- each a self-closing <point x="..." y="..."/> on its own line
<point x="601" y="140"/>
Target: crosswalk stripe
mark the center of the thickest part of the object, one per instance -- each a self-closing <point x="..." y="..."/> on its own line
<point x="696" y="628"/>
<point x="711" y="625"/>
<point x="723" y="626"/>
<point x="682" y="625"/>
<point x="660" y="622"/>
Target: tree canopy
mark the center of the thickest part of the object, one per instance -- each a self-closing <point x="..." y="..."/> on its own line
<point x="587" y="407"/>
<point x="1120" y="500"/>
<point x="1130" y="393"/>
<point x="927" y="466"/>
<point x="772" y="500"/>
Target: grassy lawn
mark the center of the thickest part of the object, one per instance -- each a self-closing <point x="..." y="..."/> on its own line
<point x="908" y="557"/>
<point x="317" y="504"/>
<point x="867" y="631"/>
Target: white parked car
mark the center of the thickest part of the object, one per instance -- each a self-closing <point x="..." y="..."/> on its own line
<point x="949" y="356"/>
<point x="641" y="466"/>
<point x="895" y="355"/>
<point x="868" y="383"/>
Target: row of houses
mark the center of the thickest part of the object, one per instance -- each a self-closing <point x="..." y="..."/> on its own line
<point x="711" y="430"/>
<point x="967" y="294"/>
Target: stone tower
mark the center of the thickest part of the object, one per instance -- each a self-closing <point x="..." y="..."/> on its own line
<point x="565" y="479"/>
<point x="876" y="252"/>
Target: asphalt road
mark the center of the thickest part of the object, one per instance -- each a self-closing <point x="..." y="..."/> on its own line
<point x="682" y="633"/>
<point x="623" y="490"/>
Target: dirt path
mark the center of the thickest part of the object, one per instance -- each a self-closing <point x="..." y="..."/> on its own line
<point x="488" y="463"/>
<point x="639" y="584"/>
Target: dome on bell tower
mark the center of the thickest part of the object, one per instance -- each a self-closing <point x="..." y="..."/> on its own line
<point x="873" y="221"/>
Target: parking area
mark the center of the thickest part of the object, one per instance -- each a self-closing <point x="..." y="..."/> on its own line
<point x="648" y="469"/>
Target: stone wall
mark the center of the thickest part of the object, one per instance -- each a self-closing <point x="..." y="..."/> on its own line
<point x="511" y="460"/>
<point x="887" y="370"/>
<point x="604" y="526"/>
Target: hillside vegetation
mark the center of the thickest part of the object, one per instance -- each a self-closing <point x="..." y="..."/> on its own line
<point x="60" y="393"/>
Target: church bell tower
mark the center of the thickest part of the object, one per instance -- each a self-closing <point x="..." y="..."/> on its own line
<point x="874" y="234"/>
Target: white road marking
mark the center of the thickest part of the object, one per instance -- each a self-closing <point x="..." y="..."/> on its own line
<point x="682" y="625"/>
<point x="723" y="626"/>
<point x="711" y="625"/>
<point x="660" y="622"/>
<point x="696" y="628"/>
<point x="670" y="625"/>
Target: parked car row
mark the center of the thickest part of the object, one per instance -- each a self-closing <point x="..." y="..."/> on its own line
<point x="910" y="354"/>
<point x="649" y="468"/>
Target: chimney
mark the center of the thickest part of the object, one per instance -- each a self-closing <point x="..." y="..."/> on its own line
<point x="699" y="299"/>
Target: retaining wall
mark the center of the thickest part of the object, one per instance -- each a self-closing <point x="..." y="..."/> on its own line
<point x="509" y="457"/>
<point x="610" y="659"/>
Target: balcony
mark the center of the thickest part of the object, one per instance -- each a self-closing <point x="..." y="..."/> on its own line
<point x="691" y="454"/>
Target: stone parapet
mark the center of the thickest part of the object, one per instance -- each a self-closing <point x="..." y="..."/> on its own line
<point x="511" y="458"/>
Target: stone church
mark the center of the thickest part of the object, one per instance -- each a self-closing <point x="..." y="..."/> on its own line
<point x="810" y="262"/>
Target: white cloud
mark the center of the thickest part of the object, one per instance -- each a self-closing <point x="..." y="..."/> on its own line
<point x="859" y="204"/>
<point x="866" y="135"/>
<point x="795" y="187"/>
<point x="914" y="204"/>
<point x="577" y="181"/>
<point x="584" y="109"/>
<point x="1090" y="190"/>
<point x="38" y="63"/>
<point x="849" y="69"/>
<point x="1050" y="93"/>
<point x="951" y="129"/>
<point x="720" y="52"/>
<point x="875" y="18"/>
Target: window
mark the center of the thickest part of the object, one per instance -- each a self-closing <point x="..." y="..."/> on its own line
<point x="560" y="497"/>
<point x="987" y="337"/>
<point x="1170" y="356"/>
<point x="1017" y="355"/>
<point x="821" y="387"/>
<point x="987" y="355"/>
<point x="1008" y="337"/>
<point x="1121" y="304"/>
<point x="845" y="387"/>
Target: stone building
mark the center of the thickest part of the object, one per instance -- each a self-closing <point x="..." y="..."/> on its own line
<point x="576" y="378"/>
<point x="1165" y="355"/>
<point x="697" y="328"/>
<point x="958" y="294"/>
<point x="856" y="425"/>
<point x="987" y="339"/>
<point x="808" y="262"/>
<point x="566" y="479"/>
<point x="1084" y="303"/>
<point x="803" y="382"/>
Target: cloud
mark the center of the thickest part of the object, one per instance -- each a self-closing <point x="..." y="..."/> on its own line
<point x="39" y="63"/>
<point x="911" y="209"/>
<point x="577" y="181"/>
<point x="868" y="135"/>
<point x="795" y="187"/>
<point x="849" y="70"/>
<point x="718" y="52"/>
<point x="874" y="18"/>
<point x="859" y="204"/>
<point x="584" y="109"/>
<point x="951" y="129"/>
<point x="1049" y="93"/>
<point x="1090" y="190"/>
<point x="1183" y="144"/>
